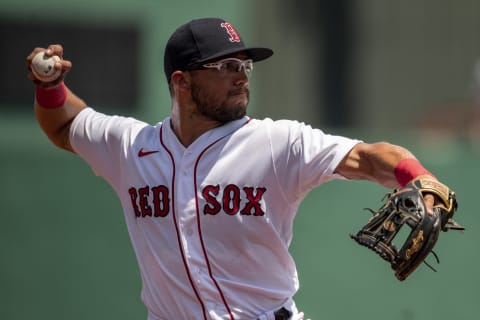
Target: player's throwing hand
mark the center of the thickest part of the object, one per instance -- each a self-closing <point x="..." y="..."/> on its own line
<point x="49" y="69"/>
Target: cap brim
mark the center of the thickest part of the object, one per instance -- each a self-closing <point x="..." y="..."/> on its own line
<point x="259" y="54"/>
<point x="256" y="54"/>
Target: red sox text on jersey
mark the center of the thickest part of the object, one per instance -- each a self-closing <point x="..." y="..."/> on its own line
<point x="155" y="201"/>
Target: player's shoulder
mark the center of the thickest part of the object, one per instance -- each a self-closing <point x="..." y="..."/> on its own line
<point x="91" y="115"/>
<point x="92" y="120"/>
<point x="279" y="126"/>
<point x="280" y="123"/>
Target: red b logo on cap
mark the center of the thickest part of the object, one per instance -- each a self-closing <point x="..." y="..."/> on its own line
<point x="234" y="36"/>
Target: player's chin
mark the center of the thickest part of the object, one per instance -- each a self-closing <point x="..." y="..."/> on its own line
<point x="239" y="100"/>
<point x="241" y="108"/>
<point x="234" y="112"/>
<point x="233" y="115"/>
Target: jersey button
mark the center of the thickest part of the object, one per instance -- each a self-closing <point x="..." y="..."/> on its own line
<point x="189" y="232"/>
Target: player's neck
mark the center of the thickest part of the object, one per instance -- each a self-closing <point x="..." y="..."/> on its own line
<point x="188" y="126"/>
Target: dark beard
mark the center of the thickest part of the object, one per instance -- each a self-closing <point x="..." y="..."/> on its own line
<point x="218" y="111"/>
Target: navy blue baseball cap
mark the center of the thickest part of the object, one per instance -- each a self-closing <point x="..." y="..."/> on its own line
<point x="202" y="40"/>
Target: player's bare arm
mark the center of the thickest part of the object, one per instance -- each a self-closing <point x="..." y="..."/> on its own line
<point x="55" y="122"/>
<point x="377" y="162"/>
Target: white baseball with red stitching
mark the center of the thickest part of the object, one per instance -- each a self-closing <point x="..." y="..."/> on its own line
<point x="43" y="67"/>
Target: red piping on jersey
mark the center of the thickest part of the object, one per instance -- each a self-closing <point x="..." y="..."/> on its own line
<point x="200" y="228"/>
<point x="176" y="227"/>
<point x="200" y="231"/>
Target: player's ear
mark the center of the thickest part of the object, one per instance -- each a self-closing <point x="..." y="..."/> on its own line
<point x="181" y="79"/>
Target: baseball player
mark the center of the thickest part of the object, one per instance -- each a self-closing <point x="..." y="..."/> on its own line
<point x="209" y="194"/>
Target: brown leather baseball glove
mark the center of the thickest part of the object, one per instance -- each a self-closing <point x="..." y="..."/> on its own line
<point x="405" y="210"/>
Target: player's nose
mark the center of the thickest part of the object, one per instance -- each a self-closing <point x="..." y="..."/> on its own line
<point x="241" y="78"/>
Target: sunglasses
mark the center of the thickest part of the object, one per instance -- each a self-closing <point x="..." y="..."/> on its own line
<point x="230" y="65"/>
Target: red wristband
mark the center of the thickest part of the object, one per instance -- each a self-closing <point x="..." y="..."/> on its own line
<point x="53" y="97"/>
<point x="408" y="169"/>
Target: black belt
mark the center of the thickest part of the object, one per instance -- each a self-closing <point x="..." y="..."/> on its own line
<point x="282" y="314"/>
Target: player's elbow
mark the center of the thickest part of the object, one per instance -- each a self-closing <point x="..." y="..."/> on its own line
<point x="58" y="133"/>
<point x="61" y="137"/>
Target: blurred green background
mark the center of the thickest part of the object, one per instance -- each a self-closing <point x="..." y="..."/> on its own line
<point x="374" y="70"/>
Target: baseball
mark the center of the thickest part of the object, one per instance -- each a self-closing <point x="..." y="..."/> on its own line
<point x="44" y="67"/>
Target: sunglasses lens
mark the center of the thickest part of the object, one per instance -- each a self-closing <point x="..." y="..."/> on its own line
<point x="232" y="65"/>
<point x="248" y="66"/>
<point x="237" y="66"/>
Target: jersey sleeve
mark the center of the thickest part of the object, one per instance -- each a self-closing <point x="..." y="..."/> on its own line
<point x="306" y="157"/>
<point x="103" y="140"/>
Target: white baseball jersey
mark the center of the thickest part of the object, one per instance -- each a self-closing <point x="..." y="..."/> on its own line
<point x="211" y="223"/>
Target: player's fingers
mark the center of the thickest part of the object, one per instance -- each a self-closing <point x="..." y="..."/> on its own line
<point x="28" y="61"/>
<point x="429" y="200"/>
<point x="54" y="49"/>
<point x="33" y="53"/>
<point x="57" y="49"/>
<point x="31" y="77"/>
<point x="63" y="65"/>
